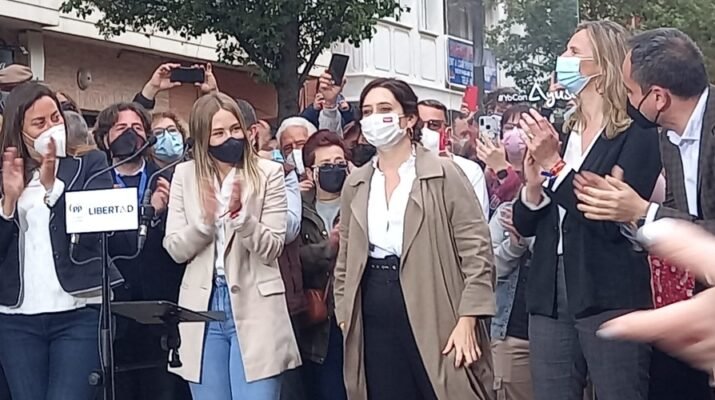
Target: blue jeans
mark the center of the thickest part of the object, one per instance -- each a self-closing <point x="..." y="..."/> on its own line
<point x="50" y="356"/>
<point x="222" y="373"/>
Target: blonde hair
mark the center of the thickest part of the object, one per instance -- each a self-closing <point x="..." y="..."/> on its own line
<point x="200" y="128"/>
<point x="609" y="42"/>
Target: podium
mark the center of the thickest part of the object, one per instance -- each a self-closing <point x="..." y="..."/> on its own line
<point x="164" y="313"/>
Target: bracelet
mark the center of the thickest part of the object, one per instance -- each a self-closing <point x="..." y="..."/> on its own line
<point x="556" y="169"/>
<point x="233" y="214"/>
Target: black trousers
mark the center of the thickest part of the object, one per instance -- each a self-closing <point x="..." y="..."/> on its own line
<point x="393" y="366"/>
<point x="672" y="379"/>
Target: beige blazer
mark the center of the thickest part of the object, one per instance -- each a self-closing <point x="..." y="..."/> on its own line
<point x="268" y="345"/>
<point x="446" y="272"/>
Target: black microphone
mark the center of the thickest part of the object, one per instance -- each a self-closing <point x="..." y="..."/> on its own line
<point x="151" y="140"/>
<point x="146" y="211"/>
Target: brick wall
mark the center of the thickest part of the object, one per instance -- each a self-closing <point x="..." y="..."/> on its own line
<point x="118" y="74"/>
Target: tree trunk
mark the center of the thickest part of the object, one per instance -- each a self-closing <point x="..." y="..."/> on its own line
<point x="288" y="85"/>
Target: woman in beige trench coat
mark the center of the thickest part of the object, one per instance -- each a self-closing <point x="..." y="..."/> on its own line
<point x="413" y="280"/>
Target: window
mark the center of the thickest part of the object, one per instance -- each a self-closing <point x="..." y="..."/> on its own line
<point x="460" y="14"/>
<point x="431" y="16"/>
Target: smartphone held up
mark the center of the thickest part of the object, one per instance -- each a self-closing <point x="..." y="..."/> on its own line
<point x="187" y="75"/>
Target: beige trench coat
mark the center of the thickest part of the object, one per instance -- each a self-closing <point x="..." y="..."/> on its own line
<point x="446" y="273"/>
<point x="268" y="346"/>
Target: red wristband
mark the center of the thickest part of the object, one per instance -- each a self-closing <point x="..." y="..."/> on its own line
<point x="233" y="214"/>
<point x="556" y="169"/>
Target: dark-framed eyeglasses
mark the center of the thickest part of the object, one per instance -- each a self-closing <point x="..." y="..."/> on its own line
<point x="435" y="124"/>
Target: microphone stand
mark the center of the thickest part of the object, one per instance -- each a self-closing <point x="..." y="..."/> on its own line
<point x="106" y="347"/>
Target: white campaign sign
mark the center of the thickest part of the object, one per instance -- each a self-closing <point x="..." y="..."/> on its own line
<point x="107" y="210"/>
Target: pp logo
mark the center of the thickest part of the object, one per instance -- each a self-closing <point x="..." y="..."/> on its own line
<point x="75" y="209"/>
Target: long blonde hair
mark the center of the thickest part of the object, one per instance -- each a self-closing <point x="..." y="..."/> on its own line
<point x="609" y="42"/>
<point x="200" y="128"/>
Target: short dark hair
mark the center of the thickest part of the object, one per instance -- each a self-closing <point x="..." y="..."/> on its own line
<point x="668" y="57"/>
<point x="515" y="110"/>
<point x="435" y="104"/>
<point x="109" y="116"/>
<point x="249" y="113"/>
<point x="404" y="95"/>
<point x="321" y="138"/>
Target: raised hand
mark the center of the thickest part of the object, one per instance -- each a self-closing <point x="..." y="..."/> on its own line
<point x="542" y="140"/>
<point x="47" y="168"/>
<point x="491" y="153"/>
<point x="209" y="203"/>
<point x="209" y="84"/>
<point x="234" y="203"/>
<point x="160" y="80"/>
<point x="330" y="89"/>
<point x="13" y="181"/>
<point x="306" y="185"/>
<point x="160" y="197"/>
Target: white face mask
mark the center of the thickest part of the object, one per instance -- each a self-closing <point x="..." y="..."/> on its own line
<point x="382" y="130"/>
<point x="57" y="132"/>
<point x="430" y="139"/>
<point x="296" y="159"/>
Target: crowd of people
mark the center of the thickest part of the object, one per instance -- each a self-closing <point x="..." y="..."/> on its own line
<point x="374" y="252"/>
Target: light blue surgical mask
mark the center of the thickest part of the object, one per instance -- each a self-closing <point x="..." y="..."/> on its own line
<point x="568" y="74"/>
<point x="169" y="145"/>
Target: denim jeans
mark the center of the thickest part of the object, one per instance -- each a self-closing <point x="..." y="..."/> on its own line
<point x="222" y="373"/>
<point x="50" y="356"/>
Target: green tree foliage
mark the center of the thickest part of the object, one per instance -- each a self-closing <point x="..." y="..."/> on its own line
<point x="530" y="56"/>
<point x="282" y="38"/>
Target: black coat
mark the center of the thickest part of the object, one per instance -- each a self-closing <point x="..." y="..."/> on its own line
<point x="152" y="275"/>
<point x="74" y="279"/>
<point x="603" y="271"/>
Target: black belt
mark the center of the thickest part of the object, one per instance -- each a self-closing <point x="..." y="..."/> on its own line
<point x="390" y="263"/>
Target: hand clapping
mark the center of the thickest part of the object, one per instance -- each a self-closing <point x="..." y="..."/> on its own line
<point x="541" y="139"/>
<point x="47" y="168"/>
<point x="160" y="198"/>
<point x="13" y="181"/>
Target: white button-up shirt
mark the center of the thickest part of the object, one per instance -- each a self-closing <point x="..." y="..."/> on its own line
<point x="476" y="178"/>
<point x="386" y="222"/>
<point x="41" y="291"/>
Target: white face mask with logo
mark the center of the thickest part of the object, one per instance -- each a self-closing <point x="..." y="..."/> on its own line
<point x="382" y="130"/>
<point x="57" y="132"/>
<point x="430" y="139"/>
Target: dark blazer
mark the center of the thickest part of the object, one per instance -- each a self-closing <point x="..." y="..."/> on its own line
<point x="676" y="202"/>
<point x="76" y="280"/>
<point x="603" y="272"/>
<point x="153" y="275"/>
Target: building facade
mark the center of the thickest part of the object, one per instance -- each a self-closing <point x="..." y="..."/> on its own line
<point x="70" y="55"/>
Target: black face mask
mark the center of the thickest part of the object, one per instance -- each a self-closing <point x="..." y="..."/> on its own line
<point x="230" y="151"/>
<point x="362" y="153"/>
<point x="331" y="177"/>
<point x="126" y="144"/>
<point x="638" y="117"/>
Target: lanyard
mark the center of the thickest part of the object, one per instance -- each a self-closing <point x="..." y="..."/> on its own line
<point x="142" y="184"/>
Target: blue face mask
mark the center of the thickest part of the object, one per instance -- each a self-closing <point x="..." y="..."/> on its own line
<point x="169" y="145"/>
<point x="568" y="74"/>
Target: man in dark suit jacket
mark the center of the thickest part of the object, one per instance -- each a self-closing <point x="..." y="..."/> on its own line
<point x="667" y="85"/>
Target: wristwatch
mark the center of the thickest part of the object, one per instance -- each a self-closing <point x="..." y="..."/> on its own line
<point x="502" y="174"/>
